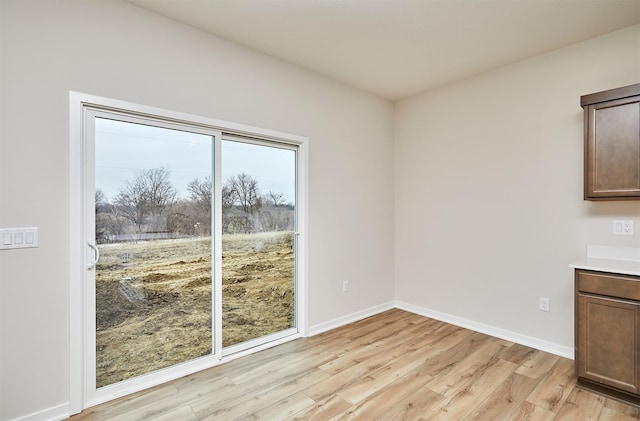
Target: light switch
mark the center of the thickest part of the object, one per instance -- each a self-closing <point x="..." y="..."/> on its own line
<point x="18" y="238"/>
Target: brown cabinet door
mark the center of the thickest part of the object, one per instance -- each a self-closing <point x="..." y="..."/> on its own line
<point x="607" y="335"/>
<point x="612" y="145"/>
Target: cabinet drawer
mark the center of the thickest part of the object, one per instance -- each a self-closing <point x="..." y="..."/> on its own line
<point x="611" y="285"/>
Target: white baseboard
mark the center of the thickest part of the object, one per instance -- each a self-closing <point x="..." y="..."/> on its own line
<point x="553" y="348"/>
<point x="350" y="318"/>
<point x="55" y="413"/>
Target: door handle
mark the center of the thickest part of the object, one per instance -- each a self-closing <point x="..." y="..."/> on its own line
<point x="96" y="255"/>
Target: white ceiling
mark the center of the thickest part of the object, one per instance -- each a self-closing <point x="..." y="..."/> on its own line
<point x="399" y="48"/>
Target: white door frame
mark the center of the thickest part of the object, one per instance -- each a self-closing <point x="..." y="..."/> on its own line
<point x="79" y="104"/>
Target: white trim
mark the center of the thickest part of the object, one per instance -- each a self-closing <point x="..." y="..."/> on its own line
<point x="76" y="253"/>
<point x="261" y="347"/>
<point x="350" y="318"/>
<point x="302" y="239"/>
<point x="87" y="100"/>
<point x="216" y="249"/>
<point x="530" y="341"/>
<point x="55" y="413"/>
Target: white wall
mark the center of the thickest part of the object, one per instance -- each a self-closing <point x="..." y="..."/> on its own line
<point x="118" y="50"/>
<point x="488" y="176"/>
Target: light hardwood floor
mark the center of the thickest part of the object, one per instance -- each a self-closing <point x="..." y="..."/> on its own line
<point x="392" y="366"/>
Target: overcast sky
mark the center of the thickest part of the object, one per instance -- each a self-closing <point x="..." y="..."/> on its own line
<point x="122" y="149"/>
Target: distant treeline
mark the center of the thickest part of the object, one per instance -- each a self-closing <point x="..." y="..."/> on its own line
<point x="148" y="207"/>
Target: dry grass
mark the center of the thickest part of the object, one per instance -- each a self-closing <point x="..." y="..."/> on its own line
<point x="154" y="308"/>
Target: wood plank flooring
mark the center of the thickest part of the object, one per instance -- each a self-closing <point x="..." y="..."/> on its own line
<point x="392" y="366"/>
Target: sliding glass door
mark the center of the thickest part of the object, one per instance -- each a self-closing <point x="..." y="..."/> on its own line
<point x="191" y="250"/>
<point x="258" y="241"/>
<point x="153" y="280"/>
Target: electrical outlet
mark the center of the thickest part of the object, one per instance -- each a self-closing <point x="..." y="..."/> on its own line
<point x="623" y="227"/>
<point x="345" y="286"/>
<point x="544" y="304"/>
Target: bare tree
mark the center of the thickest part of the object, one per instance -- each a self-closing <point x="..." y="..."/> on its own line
<point x="100" y="203"/>
<point x="228" y="198"/>
<point x="200" y="192"/>
<point x="100" y="200"/>
<point x="116" y="222"/>
<point x="160" y="191"/>
<point x="200" y="195"/>
<point x="131" y="202"/>
<point x="245" y="192"/>
<point x="276" y="199"/>
<point x="184" y="218"/>
<point x="276" y="214"/>
<point x="149" y="193"/>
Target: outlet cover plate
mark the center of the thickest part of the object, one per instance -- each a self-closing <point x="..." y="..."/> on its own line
<point x="544" y="304"/>
<point x="621" y="227"/>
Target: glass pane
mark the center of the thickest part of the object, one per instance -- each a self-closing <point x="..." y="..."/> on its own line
<point x="258" y="223"/>
<point x="153" y="230"/>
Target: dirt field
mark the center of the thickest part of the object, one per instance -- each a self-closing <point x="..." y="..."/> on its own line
<point x="154" y="299"/>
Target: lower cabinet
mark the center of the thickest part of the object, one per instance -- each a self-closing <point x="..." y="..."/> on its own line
<point x="607" y="333"/>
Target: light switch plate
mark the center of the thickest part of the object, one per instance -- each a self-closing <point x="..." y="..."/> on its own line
<point x="18" y="238"/>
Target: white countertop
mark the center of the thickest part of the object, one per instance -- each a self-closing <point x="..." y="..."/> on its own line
<point x="620" y="260"/>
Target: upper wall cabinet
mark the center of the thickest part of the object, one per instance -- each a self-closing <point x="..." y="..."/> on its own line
<point x="612" y="144"/>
